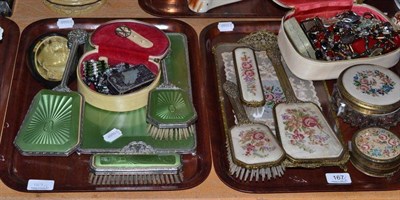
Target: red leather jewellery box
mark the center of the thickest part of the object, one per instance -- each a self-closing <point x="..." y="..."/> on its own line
<point x="320" y="39"/>
<point x="133" y="46"/>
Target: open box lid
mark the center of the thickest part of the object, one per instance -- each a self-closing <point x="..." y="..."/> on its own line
<point x="325" y="8"/>
<point x="130" y="41"/>
<point x="299" y="4"/>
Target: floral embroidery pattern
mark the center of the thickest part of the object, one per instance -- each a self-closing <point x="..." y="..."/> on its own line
<point x="248" y="73"/>
<point x="273" y="95"/>
<point x="373" y="82"/>
<point x="255" y="143"/>
<point x="303" y="128"/>
<point x="378" y="143"/>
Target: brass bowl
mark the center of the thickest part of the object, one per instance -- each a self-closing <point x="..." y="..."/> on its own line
<point x="48" y="58"/>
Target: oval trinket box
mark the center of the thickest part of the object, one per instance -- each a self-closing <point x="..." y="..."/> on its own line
<point x="367" y="96"/>
<point x="376" y="152"/>
<point x="124" y="42"/>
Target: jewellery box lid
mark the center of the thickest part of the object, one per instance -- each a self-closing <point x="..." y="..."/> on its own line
<point x="304" y="9"/>
<point x="298" y="4"/>
<point x="130" y="41"/>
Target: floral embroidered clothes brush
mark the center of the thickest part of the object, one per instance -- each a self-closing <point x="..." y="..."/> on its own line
<point x="253" y="152"/>
<point x="302" y="129"/>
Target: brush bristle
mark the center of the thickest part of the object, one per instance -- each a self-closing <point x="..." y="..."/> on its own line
<point x="135" y="179"/>
<point x="170" y="133"/>
<point x="245" y="174"/>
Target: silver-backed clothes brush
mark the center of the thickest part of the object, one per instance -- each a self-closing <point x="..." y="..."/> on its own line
<point x="138" y="169"/>
<point x="170" y="111"/>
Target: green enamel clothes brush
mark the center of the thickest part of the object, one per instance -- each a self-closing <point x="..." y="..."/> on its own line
<point x="170" y="111"/>
<point x="142" y="169"/>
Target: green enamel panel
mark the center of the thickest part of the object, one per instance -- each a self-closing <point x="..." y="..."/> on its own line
<point x="52" y="124"/>
<point x="119" y="161"/>
<point x="170" y="106"/>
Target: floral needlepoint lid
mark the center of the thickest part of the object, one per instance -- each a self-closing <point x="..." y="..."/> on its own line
<point x="305" y="134"/>
<point x="254" y="144"/>
<point x="377" y="144"/>
<point x="370" y="88"/>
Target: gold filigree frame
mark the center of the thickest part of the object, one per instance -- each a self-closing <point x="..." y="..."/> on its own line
<point x="267" y="41"/>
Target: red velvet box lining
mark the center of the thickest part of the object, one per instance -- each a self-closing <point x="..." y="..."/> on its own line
<point x="304" y="9"/>
<point x="121" y="50"/>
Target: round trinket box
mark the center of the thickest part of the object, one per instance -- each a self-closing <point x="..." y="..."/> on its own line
<point x="376" y="152"/>
<point x="367" y="96"/>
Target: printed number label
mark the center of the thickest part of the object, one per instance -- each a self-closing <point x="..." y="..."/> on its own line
<point x="45" y="185"/>
<point x="65" y="23"/>
<point x="112" y="135"/>
<point x="338" y="178"/>
<point x="225" y="26"/>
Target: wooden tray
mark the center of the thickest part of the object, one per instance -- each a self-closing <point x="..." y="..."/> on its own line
<point x="8" y="52"/>
<point x="294" y="179"/>
<point x="244" y="9"/>
<point x="71" y="173"/>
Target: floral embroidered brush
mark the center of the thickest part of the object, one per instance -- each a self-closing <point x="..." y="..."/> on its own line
<point x="249" y="81"/>
<point x="305" y="135"/>
<point x="253" y="151"/>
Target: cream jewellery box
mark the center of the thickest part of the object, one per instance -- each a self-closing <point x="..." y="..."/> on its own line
<point x="312" y="30"/>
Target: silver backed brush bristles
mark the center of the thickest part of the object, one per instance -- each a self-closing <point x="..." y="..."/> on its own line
<point x="138" y="179"/>
<point x="170" y="133"/>
<point x="143" y="169"/>
<point x="261" y="174"/>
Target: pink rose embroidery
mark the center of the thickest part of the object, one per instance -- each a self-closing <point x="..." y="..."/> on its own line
<point x="249" y="73"/>
<point x="247" y="65"/>
<point x="310" y="121"/>
<point x="297" y="135"/>
<point x="383" y="137"/>
<point x="258" y="136"/>
<point x="365" y="147"/>
<point x="393" y="142"/>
